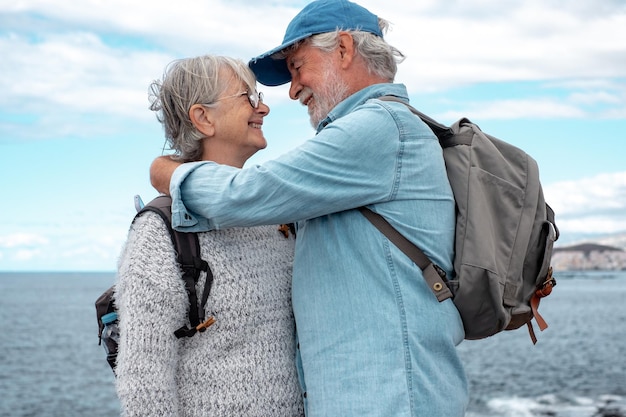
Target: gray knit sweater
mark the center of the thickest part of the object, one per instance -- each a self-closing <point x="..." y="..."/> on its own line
<point x="243" y="365"/>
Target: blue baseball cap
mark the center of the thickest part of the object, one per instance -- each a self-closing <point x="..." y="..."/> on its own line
<point x="320" y="16"/>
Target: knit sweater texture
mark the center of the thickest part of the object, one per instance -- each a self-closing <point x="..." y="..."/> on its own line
<point x="243" y="365"/>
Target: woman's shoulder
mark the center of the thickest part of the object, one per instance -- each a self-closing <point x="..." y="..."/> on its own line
<point x="149" y="252"/>
<point x="267" y="233"/>
<point x="258" y="241"/>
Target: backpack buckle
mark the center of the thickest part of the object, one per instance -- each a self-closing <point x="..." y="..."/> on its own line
<point x="546" y="287"/>
<point x="189" y="332"/>
<point x="441" y="272"/>
<point x="206" y="324"/>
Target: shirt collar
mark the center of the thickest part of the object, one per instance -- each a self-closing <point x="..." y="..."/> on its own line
<point x="349" y="104"/>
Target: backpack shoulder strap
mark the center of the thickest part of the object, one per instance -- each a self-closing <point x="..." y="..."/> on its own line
<point x="434" y="276"/>
<point x="442" y="131"/>
<point x="187" y="248"/>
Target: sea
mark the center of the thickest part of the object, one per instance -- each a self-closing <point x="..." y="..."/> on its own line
<point x="51" y="364"/>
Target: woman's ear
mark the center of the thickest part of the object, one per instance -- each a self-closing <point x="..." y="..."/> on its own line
<point x="202" y="119"/>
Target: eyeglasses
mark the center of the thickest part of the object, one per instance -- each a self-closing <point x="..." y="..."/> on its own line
<point x="254" y="98"/>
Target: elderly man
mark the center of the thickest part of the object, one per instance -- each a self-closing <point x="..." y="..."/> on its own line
<point x="373" y="339"/>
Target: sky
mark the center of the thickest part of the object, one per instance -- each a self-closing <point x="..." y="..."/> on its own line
<point x="77" y="137"/>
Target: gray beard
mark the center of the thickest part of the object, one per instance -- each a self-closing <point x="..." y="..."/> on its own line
<point x="333" y="93"/>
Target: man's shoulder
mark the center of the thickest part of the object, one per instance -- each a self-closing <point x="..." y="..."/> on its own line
<point x="368" y="96"/>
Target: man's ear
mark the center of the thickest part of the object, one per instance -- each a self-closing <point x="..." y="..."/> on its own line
<point x="202" y="119"/>
<point x="346" y="49"/>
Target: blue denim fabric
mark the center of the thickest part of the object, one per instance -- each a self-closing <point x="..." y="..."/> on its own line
<point x="373" y="339"/>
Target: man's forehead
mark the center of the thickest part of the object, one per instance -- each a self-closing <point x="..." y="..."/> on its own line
<point x="297" y="52"/>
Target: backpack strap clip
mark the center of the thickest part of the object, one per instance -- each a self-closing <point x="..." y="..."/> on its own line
<point x="195" y="268"/>
<point x="190" y="331"/>
<point x="434" y="275"/>
<point x="192" y="268"/>
<point x="543" y="290"/>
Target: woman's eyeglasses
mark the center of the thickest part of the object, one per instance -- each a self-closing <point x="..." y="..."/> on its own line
<point x="254" y="98"/>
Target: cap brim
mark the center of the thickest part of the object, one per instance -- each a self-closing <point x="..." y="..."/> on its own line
<point x="270" y="71"/>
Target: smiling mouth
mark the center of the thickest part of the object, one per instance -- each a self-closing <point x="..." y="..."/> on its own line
<point x="255" y="125"/>
<point x="306" y="100"/>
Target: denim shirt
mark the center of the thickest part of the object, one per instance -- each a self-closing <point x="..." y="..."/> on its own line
<point x="373" y="339"/>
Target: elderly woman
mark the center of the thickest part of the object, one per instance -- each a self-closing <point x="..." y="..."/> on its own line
<point x="243" y="365"/>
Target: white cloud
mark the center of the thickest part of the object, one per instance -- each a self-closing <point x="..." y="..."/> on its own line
<point x="530" y="40"/>
<point x="598" y="225"/>
<point x="183" y="26"/>
<point x="76" y="73"/>
<point x="21" y="240"/>
<point x="81" y="245"/>
<point x="537" y="108"/>
<point x="96" y="58"/>
<point x="590" y="205"/>
<point x="595" y="97"/>
<point x="604" y="192"/>
<point x="24" y="255"/>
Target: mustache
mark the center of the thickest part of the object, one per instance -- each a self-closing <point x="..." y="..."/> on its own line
<point x="305" y="95"/>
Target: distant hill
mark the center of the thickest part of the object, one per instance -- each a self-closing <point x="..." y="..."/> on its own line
<point x="616" y="240"/>
<point x="587" y="248"/>
<point x="607" y="253"/>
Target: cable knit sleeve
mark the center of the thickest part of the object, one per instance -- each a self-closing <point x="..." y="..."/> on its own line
<point x="152" y="304"/>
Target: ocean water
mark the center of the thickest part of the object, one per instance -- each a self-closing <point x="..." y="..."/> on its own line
<point x="51" y="364"/>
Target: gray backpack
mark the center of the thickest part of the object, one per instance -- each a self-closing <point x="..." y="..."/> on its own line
<point x="187" y="247"/>
<point x="505" y="232"/>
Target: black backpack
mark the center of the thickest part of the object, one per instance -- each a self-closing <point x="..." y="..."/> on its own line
<point x="504" y="232"/>
<point x="187" y="247"/>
